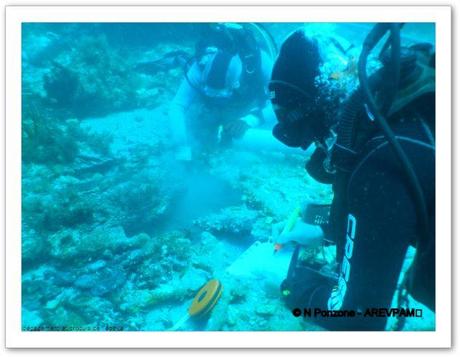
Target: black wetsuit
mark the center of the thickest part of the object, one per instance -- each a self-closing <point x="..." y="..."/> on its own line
<point x="373" y="221"/>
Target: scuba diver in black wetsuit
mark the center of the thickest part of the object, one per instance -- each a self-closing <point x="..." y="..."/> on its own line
<point x="375" y="145"/>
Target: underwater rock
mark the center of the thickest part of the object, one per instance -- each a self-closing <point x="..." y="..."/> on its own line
<point x="149" y="274"/>
<point x="168" y="293"/>
<point x="265" y="309"/>
<point x="86" y="281"/>
<point x="93" y="165"/>
<point x="30" y="318"/>
<point x="238" y="289"/>
<point x="63" y="278"/>
<point x="61" y="85"/>
<point x="86" y="309"/>
<point x="237" y="220"/>
<point x="147" y="94"/>
<point x="63" y="318"/>
<point x="35" y="284"/>
<point x="66" y="215"/>
<point x="194" y="279"/>
<point x="135" y="300"/>
<point x="232" y="316"/>
<point x="40" y="47"/>
<point x="64" y="245"/>
<point x="208" y="238"/>
<point x="214" y="255"/>
<point x="99" y="264"/>
<point x="91" y="80"/>
<point x="161" y="259"/>
<point x="271" y="183"/>
<point x="68" y="245"/>
<point x="33" y="247"/>
<point x="102" y="281"/>
<point x="237" y="296"/>
<point x="52" y="304"/>
<point x="36" y="180"/>
<point x="142" y="202"/>
<point x="52" y="202"/>
<point x="50" y="141"/>
<point x="90" y="308"/>
<point x="62" y="297"/>
<point x="132" y="259"/>
<point x="174" y="244"/>
<point x="262" y="229"/>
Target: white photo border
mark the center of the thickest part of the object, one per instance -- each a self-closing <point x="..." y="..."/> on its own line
<point x="440" y="15"/>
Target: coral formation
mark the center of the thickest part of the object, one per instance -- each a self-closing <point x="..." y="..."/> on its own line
<point x="91" y="80"/>
<point x="234" y="220"/>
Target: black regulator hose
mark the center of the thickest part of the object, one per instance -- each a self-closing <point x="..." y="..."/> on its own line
<point x="387" y="44"/>
<point x="370" y="42"/>
<point x="392" y="90"/>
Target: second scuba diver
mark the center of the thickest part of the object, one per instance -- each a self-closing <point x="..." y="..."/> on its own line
<point x="224" y="91"/>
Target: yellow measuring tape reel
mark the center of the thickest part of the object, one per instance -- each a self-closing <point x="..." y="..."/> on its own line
<point x="203" y="303"/>
<point x="206" y="298"/>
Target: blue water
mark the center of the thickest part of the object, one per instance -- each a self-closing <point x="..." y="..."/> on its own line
<point x="116" y="233"/>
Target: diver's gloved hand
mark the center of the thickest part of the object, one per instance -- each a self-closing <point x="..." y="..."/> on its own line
<point x="251" y="120"/>
<point x="302" y="233"/>
<point x="235" y="129"/>
<point x="183" y="153"/>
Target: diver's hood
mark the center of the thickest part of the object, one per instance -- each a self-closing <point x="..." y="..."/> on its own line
<point x="293" y="91"/>
<point x="304" y="95"/>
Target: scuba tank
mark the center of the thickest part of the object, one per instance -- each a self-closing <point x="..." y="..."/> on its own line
<point x="368" y="111"/>
<point x="229" y="39"/>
